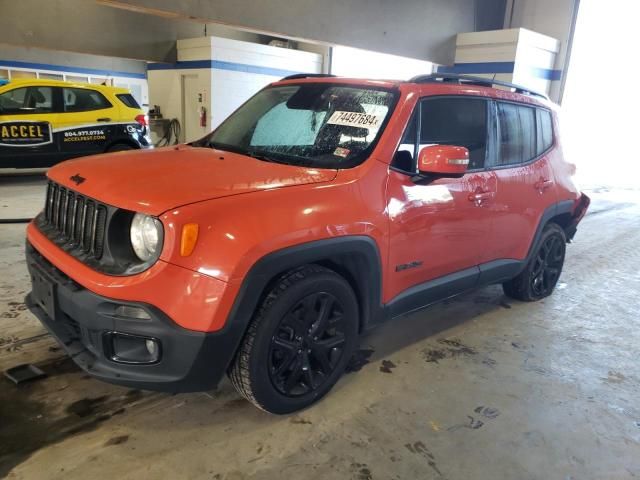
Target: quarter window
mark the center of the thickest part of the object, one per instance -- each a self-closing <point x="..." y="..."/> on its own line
<point x="404" y="159"/>
<point x="128" y="100"/>
<point x="517" y="134"/>
<point x="545" y="131"/>
<point x="83" y="100"/>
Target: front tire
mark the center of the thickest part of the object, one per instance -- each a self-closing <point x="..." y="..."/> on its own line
<point x="120" y="147"/>
<point x="540" y="276"/>
<point x="299" y="342"/>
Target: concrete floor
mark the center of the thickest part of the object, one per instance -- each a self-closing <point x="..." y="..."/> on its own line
<point x="481" y="387"/>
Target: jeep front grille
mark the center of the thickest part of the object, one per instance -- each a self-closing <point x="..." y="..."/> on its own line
<point x="78" y="221"/>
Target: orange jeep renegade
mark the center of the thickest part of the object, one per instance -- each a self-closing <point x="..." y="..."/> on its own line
<point x="322" y="207"/>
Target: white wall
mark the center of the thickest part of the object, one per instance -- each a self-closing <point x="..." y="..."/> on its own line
<point x="600" y="111"/>
<point x="165" y="90"/>
<point x="515" y="55"/>
<point x="234" y="71"/>
<point x="232" y="88"/>
<point x="549" y="17"/>
<point x="353" y="62"/>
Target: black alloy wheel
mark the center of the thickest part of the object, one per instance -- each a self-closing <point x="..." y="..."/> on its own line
<point x="541" y="274"/>
<point x="307" y="345"/>
<point x="547" y="266"/>
<point x="299" y="341"/>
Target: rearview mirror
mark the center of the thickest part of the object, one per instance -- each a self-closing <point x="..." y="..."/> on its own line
<point x="443" y="160"/>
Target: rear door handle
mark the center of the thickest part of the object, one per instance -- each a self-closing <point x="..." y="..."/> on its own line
<point x="542" y="185"/>
<point x="103" y="119"/>
<point x="479" y="197"/>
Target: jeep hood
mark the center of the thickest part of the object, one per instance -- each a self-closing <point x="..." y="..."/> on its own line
<point x="154" y="181"/>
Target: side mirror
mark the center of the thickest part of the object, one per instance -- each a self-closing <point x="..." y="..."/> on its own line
<point x="443" y="160"/>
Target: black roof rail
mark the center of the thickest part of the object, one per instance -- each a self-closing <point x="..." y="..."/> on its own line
<point x="471" y="80"/>
<point x="297" y="76"/>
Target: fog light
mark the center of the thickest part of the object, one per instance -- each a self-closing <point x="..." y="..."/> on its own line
<point x="152" y="347"/>
<point x="133" y="349"/>
<point x="132" y="312"/>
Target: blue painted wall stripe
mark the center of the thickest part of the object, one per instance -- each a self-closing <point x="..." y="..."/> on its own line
<point x="220" y="65"/>
<point x="62" y="68"/>
<point x="485" y="67"/>
<point x="192" y="64"/>
<point x="498" y="67"/>
<point x="546" y="73"/>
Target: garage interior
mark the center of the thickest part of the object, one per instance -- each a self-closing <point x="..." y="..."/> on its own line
<point x="479" y="386"/>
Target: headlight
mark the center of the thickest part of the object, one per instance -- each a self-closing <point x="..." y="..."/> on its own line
<point x="146" y="237"/>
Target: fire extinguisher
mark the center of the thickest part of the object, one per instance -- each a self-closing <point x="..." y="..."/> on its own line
<point x="203" y="116"/>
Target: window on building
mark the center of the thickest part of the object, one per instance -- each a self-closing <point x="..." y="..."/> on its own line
<point x="51" y="76"/>
<point x="23" y="74"/>
<point x="76" y="79"/>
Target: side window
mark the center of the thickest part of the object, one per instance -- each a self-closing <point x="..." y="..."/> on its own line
<point x="457" y="121"/>
<point x="13" y="101"/>
<point x="40" y="99"/>
<point x="27" y="100"/>
<point x="404" y="158"/>
<point x="545" y="130"/>
<point x="83" y="100"/>
<point x="528" y="121"/>
<point x="517" y="134"/>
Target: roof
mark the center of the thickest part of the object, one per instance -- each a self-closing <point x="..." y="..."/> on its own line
<point x="57" y="83"/>
<point x="438" y="84"/>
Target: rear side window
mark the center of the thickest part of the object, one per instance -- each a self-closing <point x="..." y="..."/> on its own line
<point x="456" y="121"/>
<point x="27" y="100"/>
<point x="83" y="100"/>
<point x="517" y="125"/>
<point x="545" y="130"/>
<point x="128" y="100"/>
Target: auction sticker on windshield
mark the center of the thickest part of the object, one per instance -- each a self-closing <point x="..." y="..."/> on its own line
<point x="355" y="119"/>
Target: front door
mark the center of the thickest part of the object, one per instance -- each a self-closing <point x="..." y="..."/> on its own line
<point x="439" y="228"/>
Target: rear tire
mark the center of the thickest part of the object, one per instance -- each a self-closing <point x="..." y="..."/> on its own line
<point x="541" y="274"/>
<point x="299" y="341"/>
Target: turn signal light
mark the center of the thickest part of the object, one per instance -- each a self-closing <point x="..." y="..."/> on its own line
<point x="188" y="239"/>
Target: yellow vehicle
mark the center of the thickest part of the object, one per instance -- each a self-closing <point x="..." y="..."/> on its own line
<point x="43" y="122"/>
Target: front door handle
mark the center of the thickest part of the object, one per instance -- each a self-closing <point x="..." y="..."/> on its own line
<point x="103" y="119"/>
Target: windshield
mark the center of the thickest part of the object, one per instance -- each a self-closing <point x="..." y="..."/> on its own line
<point x="315" y="124"/>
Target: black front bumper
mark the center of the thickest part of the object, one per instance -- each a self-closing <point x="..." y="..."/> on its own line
<point x="79" y="319"/>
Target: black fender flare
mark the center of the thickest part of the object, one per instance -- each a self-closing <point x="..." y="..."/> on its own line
<point x="366" y="279"/>
<point x="562" y="207"/>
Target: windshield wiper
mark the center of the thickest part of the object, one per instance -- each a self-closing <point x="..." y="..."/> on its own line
<point x="257" y="154"/>
<point x="260" y="156"/>
<point x="225" y="147"/>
